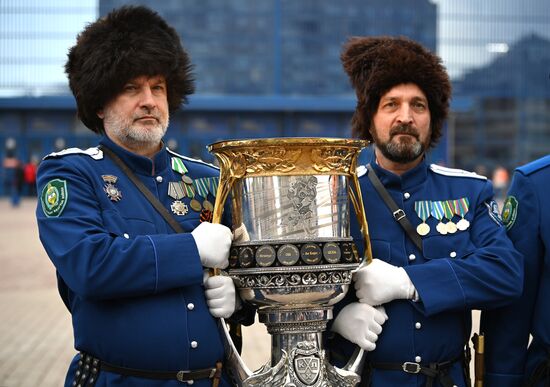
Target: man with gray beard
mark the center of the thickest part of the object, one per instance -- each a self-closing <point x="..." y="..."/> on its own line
<point x="126" y="223"/>
<point x="438" y="243"/>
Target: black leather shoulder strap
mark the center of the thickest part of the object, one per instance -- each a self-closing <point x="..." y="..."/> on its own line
<point x="398" y="214"/>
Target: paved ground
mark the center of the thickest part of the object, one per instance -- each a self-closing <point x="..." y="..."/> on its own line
<point x="36" y="342"/>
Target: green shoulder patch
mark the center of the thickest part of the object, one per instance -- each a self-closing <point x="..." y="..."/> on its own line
<point x="510" y="212"/>
<point x="54" y="197"/>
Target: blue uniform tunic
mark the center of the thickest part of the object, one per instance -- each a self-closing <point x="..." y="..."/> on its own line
<point x="133" y="286"/>
<point x="474" y="268"/>
<point x="526" y="213"/>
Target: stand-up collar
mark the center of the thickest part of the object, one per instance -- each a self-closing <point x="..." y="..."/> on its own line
<point x="139" y="164"/>
<point x="409" y="179"/>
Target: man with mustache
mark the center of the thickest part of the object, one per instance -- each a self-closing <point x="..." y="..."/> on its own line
<point x="126" y="223"/>
<point x="439" y="247"/>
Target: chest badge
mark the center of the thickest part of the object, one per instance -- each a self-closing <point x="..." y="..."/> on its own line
<point x="460" y="208"/>
<point x="448" y="211"/>
<point x="177" y="191"/>
<point x="437" y="212"/>
<point x="113" y="193"/>
<point x="179" y="208"/>
<point x="423" y="209"/>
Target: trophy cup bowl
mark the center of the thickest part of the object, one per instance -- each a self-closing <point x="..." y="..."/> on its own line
<point x="292" y="255"/>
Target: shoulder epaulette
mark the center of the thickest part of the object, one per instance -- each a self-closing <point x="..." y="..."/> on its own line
<point x="94" y="152"/>
<point x="535" y="166"/>
<point x="455" y="172"/>
<point x="191" y="159"/>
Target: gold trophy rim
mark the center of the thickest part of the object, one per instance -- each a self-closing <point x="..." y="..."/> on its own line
<point x="279" y="141"/>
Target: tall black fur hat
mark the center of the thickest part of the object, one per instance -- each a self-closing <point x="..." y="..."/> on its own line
<point x="129" y="42"/>
<point x="376" y="64"/>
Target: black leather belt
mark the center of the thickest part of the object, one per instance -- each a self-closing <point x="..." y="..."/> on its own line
<point x="433" y="371"/>
<point x="89" y="367"/>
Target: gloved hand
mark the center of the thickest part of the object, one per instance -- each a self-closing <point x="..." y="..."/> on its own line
<point x="379" y="282"/>
<point x="220" y="295"/>
<point x="213" y="242"/>
<point x="361" y="324"/>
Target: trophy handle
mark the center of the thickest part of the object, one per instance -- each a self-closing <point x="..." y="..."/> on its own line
<point x="238" y="371"/>
<point x="357" y="202"/>
<point x="356" y="362"/>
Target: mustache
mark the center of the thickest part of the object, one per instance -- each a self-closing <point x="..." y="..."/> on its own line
<point x="404" y="129"/>
<point x="140" y="116"/>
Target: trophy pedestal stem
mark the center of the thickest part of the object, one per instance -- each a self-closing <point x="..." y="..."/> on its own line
<point x="292" y="326"/>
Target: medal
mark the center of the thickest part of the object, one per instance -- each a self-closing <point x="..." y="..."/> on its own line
<point x="178" y="166"/>
<point x="461" y="208"/>
<point x="201" y="190"/>
<point x="187" y="180"/>
<point x="207" y="205"/>
<point x="437" y="212"/>
<point x="176" y="190"/>
<point x="447" y="210"/>
<point x="179" y="208"/>
<point x="423" y="229"/>
<point x="423" y="209"/>
<point x="451" y="227"/>
<point x="112" y="192"/>
<point x="195" y="205"/>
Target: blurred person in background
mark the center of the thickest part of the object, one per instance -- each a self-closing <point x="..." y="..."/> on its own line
<point x="29" y="176"/>
<point x="439" y="247"/>
<point x="143" y="312"/>
<point x="501" y="180"/>
<point x="13" y="176"/>
<point x="510" y="359"/>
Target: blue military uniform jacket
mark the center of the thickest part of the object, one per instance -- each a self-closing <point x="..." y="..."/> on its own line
<point x="526" y="214"/>
<point x="469" y="269"/>
<point x="133" y="286"/>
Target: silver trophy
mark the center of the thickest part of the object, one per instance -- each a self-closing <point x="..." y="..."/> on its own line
<point x="292" y="255"/>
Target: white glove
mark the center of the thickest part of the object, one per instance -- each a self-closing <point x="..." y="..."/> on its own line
<point x="213" y="242"/>
<point x="220" y="296"/>
<point x="361" y="324"/>
<point x="379" y="282"/>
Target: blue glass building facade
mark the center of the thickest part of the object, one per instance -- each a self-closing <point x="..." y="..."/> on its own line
<point x="268" y="68"/>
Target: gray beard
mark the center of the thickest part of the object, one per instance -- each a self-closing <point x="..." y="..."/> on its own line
<point x="127" y="133"/>
<point x="401" y="152"/>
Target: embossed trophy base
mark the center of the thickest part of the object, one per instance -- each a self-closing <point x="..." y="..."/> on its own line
<point x="298" y="358"/>
<point x="304" y="366"/>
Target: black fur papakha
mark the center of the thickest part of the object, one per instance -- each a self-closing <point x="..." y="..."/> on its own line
<point x="127" y="43"/>
<point x="377" y="64"/>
